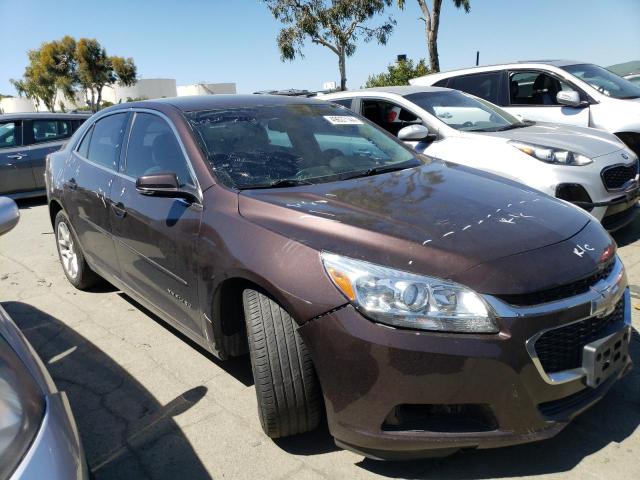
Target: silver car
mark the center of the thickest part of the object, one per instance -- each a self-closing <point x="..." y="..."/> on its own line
<point x="38" y="434"/>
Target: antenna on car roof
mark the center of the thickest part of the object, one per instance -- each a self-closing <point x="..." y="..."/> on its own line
<point x="477" y="58"/>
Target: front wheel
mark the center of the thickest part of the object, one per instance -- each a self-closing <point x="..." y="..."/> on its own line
<point x="286" y="384"/>
<point x="73" y="262"/>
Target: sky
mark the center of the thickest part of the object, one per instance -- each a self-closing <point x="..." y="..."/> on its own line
<point x="235" y="40"/>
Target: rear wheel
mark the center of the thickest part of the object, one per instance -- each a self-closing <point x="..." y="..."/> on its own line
<point x="286" y="384"/>
<point x="74" y="265"/>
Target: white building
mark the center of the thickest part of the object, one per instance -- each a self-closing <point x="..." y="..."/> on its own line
<point x="206" y="89"/>
<point x="145" y="88"/>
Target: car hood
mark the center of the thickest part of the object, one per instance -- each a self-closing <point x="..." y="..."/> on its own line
<point x="587" y="141"/>
<point x="439" y="219"/>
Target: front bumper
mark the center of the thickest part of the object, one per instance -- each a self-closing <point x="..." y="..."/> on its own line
<point x="482" y="391"/>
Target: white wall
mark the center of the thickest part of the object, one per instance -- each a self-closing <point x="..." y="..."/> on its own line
<point x="16" y="105"/>
<point x="206" y="89"/>
<point x="147" y="88"/>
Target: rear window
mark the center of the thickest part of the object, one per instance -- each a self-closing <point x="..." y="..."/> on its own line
<point x="483" y="85"/>
<point x="51" y="130"/>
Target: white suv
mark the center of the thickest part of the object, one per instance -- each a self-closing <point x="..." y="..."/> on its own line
<point x="558" y="91"/>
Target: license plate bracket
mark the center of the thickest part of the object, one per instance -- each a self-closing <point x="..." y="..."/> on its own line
<point x="604" y="357"/>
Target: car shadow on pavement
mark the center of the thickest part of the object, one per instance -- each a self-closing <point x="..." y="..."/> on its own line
<point x="237" y="367"/>
<point x="27" y="203"/>
<point x="629" y="234"/>
<point x="612" y="420"/>
<point x="126" y="432"/>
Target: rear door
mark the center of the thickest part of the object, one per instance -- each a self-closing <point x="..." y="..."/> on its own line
<point x="532" y="96"/>
<point x="156" y="238"/>
<point x="89" y="180"/>
<point x="15" y="166"/>
<point x="44" y="135"/>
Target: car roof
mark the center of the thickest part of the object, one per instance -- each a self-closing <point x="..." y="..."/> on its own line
<point x="215" y="102"/>
<point x="399" y="90"/>
<point x="489" y="68"/>
<point x="44" y="115"/>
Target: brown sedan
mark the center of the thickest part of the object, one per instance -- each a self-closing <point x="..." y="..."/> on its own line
<point x="424" y="306"/>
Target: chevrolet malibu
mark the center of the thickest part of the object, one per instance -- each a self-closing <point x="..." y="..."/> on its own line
<point x="424" y="306"/>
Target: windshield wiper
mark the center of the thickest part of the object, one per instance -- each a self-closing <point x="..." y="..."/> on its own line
<point x="381" y="169"/>
<point x="283" y="182"/>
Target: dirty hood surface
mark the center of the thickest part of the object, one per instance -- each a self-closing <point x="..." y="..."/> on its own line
<point x="586" y="141"/>
<point x="438" y="219"/>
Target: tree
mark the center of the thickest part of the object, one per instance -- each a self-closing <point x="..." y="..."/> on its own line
<point x="432" y="24"/>
<point x="398" y="74"/>
<point x="334" y="24"/>
<point x="69" y="66"/>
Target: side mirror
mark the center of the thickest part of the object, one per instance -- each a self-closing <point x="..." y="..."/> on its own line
<point x="163" y="185"/>
<point x="569" y="98"/>
<point x="9" y="214"/>
<point x="413" y="133"/>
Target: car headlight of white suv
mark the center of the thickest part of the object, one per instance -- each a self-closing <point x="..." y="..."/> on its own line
<point x="551" y="155"/>
<point x="404" y="299"/>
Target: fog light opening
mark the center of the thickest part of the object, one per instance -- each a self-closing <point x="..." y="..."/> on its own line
<point x="440" y="418"/>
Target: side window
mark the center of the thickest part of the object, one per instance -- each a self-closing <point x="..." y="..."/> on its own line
<point x="10" y="135"/>
<point x="278" y="139"/>
<point x="535" y="88"/>
<point x="388" y="115"/>
<point x="335" y="146"/>
<point x="106" y="140"/>
<point x="154" y="148"/>
<point x="483" y="85"/>
<point x="345" y="102"/>
<point x="83" y="148"/>
<point x="50" y="130"/>
<point x="441" y="83"/>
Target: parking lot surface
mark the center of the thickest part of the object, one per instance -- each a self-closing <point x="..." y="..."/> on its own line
<point x="151" y="405"/>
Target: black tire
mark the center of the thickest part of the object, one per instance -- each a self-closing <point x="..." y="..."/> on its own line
<point x="287" y="388"/>
<point x="85" y="278"/>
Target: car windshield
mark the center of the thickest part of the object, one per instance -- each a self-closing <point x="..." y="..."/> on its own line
<point x="463" y="112"/>
<point x="295" y="144"/>
<point x="604" y="81"/>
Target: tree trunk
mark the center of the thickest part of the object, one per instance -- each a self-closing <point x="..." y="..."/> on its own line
<point x="433" y="36"/>
<point x="92" y="102"/>
<point x="343" y="70"/>
<point x="99" y="99"/>
<point x="432" y="42"/>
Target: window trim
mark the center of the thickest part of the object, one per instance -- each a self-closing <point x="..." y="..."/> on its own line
<point x="90" y="129"/>
<point x="584" y="96"/>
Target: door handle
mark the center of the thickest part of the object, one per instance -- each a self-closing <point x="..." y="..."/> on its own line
<point x="119" y="209"/>
<point x="18" y="156"/>
<point x="71" y="184"/>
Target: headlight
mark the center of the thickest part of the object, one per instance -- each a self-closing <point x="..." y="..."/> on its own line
<point x="408" y="300"/>
<point x="552" y="155"/>
<point x="21" y="409"/>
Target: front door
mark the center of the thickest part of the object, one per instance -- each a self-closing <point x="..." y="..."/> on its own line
<point x="532" y="96"/>
<point x="88" y="186"/>
<point x="156" y="238"/>
<point x="15" y="165"/>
